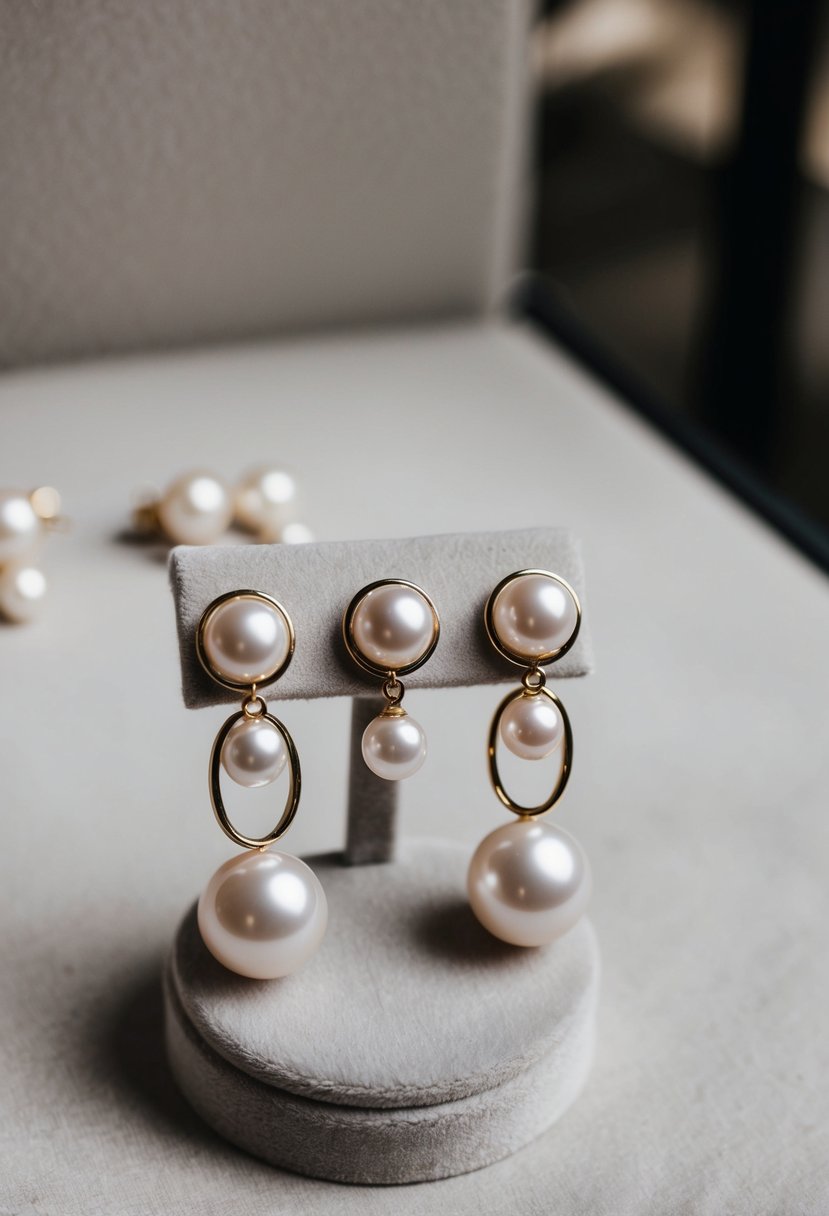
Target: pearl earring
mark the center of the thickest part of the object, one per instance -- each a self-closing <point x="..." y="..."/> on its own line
<point x="266" y="506"/>
<point x="196" y="509"/>
<point x="24" y="522"/>
<point x="391" y="628"/>
<point x="264" y="913"/>
<point x="529" y="882"/>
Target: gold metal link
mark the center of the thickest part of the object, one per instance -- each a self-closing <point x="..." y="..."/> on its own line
<point x="294" y="776"/>
<point x="567" y="744"/>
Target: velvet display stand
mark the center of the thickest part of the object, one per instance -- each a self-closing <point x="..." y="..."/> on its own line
<point x="414" y="1046"/>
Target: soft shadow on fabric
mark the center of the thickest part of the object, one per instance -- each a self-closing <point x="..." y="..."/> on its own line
<point x="152" y="548"/>
<point x="135" y="1060"/>
<point x="449" y="930"/>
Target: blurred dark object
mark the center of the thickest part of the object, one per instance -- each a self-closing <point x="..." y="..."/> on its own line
<point x="682" y="228"/>
<point x="753" y="244"/>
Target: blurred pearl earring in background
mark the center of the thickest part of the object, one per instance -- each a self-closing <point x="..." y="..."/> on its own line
<point x="25" y="520"/>
<point x="199" y="508"/>
<point x="195" y="509"/>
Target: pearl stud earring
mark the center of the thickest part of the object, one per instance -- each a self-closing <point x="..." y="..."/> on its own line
<point x="266" y="505"/>
<point x="529" y="882"/>
<point x="264" y="913"/>
<point x="391" y="628"/>
<point x="196" y="509"/>
<point x="24" y="521"/>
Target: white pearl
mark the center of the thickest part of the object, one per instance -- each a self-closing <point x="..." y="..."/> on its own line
<point x="532" y="726"/>
<point x="296" y="534"/>
<point x="246" y="640"/>
<point x="528" y="882"/>
<point x="266" y="501"/>
<point x="20" y="529"/>
<point x="393" y="626"/>
<point x="263" y="914"/>
<point x="22" y="589"/>
<point x="394" y="746"/>
<point x="195" y="510"/>
<point x="534" y="615"/>
<point x="254" y="752"/>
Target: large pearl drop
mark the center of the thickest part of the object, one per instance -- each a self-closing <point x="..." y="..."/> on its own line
<point x="246" y="640"/>
<point x="196" y="509"/>
<point x="254" y="752"/>
<point x="22" y="590"/>
<point x="263" y="914"/>
<point x="532" y="726"/>
<point x="529" y="882"/>
<point x="534" y="615"/>
<point x="266" y="502"/>
<point x="394" y="745"/>
<point x="20" y="528"/>
<point x="393" y="626"/>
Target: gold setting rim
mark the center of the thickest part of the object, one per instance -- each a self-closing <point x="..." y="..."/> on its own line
<point x="512" y="656"/>
<point x="269" y="678"/>
<point x="566" y="766"/>
<point x="217" y="801"/>
<point x="357" y="655"/>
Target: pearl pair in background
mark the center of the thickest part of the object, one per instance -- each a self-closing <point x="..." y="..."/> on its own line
<point x="198" y="508"/>
<point x="263" y="914"/>
<point x="25" y="521"/>
<point x="391" y="628"/>
<point x="529" y="882"/>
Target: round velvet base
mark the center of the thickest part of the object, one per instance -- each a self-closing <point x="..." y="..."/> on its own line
<point x="414" y="1045"/>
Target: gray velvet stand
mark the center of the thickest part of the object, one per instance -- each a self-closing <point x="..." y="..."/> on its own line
<point x="415" y="1045"/>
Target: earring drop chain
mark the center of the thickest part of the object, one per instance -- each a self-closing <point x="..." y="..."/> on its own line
<point x="529" y="881"/>
<point x="534" y="679"/>
<point x="393" y="691"/>
<point x="391" y="627"/>
<point x="263" y="913"/>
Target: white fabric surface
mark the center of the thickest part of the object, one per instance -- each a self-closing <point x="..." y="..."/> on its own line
<point x="205" y="171"/>
<point x="699" y="790"/>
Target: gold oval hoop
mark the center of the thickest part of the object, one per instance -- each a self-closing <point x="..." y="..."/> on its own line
<point x="295" y="777"/>
<point x="566" y="767"/>
<point x="354" y="651"/>
<point x="243" y="594"/>
<point x="521" y="660"/>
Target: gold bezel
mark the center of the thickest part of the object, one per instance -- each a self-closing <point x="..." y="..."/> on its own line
<point x="348" y="636"/>
<point x="530" y="812"/>
<point x="512" y="656"/>
<point x="294" y="790"/>
<point x="269" y="678"/>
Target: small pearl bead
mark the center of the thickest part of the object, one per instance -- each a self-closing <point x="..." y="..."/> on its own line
<point x="394" y="746"/>
<point x="195" y="510"/>
<point x="263" y="915"/>
<point x="246" y="640"/>
<point x="534" y="615"/>
<point x="295" y="534"/>
<point x="528" y="882"/>
<point x="254" y="752"/>
<point x="393" y="626"/>
<point x="22" y="590"/>
<point x="532" y="727"/>
<point x="20" y="529"/>
<point x="266" y="501"/>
